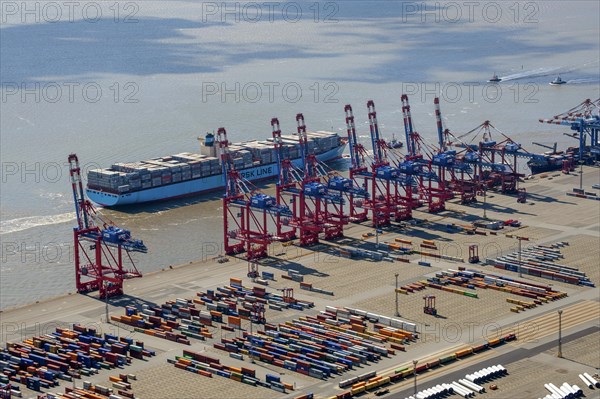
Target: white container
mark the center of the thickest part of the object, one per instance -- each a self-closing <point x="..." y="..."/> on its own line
<point x="592" y="380"/>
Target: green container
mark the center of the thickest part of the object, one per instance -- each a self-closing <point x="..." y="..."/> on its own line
<point x="249" y="382"/>
<point x="136" y="348"/>
<point x="193" y="335"/>
<point x="400" y="370"/>
<point x="470" y="294"/>
<point x="447" y="359"/>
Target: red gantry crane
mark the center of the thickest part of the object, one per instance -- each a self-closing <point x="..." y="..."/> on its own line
<point x="359" y="171"/>
<point x="387" y="184"/>
<point x="430" y="186"/>
<point x="246" y="211"/>
<point x="494" y="164"/>
<point x="455" y="176"/>
<point x="314" y="209"/>
<point x="499" y="164"/>
<point x="100" y="247"/>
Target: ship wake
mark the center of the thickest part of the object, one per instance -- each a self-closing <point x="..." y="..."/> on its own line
<point x="29" y="222"/>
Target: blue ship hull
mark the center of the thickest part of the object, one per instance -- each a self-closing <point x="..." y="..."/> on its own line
<point x="195" y="186"/>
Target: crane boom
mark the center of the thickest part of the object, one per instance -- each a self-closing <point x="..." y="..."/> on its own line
<point x="352" y="141"/>
<point x="440" y="128"/>
<point x="553" y="148"/>
<point x="303" y="138"/>
<point x="378" y="144"/>
<point x="78" y="196"/>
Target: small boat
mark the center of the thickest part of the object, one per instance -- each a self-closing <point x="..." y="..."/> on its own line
<point x="394" y="144"/>
<point x="558" y="81"/>
<point x="495" y="78"/>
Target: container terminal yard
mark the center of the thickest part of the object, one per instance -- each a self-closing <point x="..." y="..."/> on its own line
<point x="422" y="272"/>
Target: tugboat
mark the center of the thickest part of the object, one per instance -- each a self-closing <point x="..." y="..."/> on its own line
<point x="495" y="78"/>
<point x="394" y="144"/>
<point x="558" y="81"/>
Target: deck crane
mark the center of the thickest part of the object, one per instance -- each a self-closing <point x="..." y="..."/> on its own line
<point x="247" y="209"/>
<point x="553" y="147"/>
<point x="585" y="120"/>
<point x="568" y="162"/>
<point x="99" y="245"/>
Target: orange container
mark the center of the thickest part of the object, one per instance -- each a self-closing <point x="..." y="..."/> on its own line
<point x="205" y="373"/>
<point x="289" y="387"/>
<point x="187" y="362"/>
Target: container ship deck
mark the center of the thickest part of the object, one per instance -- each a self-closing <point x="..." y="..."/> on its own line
<point x="188" y="174"/>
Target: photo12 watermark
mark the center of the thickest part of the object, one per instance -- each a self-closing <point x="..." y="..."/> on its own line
<point x="20" y="331"/>
<point x="37" y="172"/>
<point x="36" y="253"/>
<point x="69" y="92"/>
<point x="513" y="12"/>
<point x="253" y="12"/>
<point x="270" y="91"/>
<point x="472" y="92"/>
<point x="38" y="12"/>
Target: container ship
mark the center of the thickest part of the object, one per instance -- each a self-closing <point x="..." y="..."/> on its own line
<point x="188" y="174"/>
<point x="548" y="163"/>
<point x="551" y="161"/>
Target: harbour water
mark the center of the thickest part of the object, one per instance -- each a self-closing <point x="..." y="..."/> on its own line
<point x="122" y="89"/>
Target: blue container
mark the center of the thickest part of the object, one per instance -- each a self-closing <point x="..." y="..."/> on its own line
<point x="231" y="348"/>
<point x="33" y="383"/>
<point x="225" y="374"/>
<point x="54" y="356"/>
<point x="27" y="362"/>
<point x="268" y="276"/>
<point x="85" y="339"/>
<point x="110" y="336"/>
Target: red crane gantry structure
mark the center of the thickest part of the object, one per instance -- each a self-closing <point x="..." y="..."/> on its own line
<point x="246" y="211"/>
<point x="100" y="247"/>
<point x="314" y="209"/>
